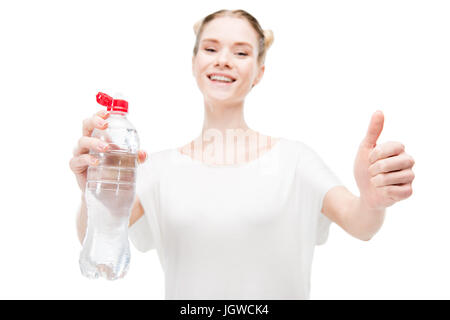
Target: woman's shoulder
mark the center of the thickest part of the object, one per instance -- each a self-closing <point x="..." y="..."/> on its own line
<point x="295" y="145"/>
<point x="302" y="151"/>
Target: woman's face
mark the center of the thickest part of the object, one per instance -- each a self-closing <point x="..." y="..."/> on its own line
<point x="226" y="65"/>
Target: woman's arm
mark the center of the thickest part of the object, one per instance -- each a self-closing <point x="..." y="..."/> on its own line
<point x="82" y="220"/>
<point x="137" y="211"/>
<point x="351" y="214"/>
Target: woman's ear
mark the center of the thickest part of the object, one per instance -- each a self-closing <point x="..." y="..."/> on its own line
<point x="259" y="75"/>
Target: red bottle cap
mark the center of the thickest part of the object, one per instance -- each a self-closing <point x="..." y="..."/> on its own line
<point x="111" y="104"/>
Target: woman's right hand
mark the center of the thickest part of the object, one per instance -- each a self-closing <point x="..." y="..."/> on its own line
<point x="81" y="159"/>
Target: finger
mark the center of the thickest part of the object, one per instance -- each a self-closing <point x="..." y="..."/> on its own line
<point x="385" y="150"/>
<point x="79" y="164"/>
<point x="96" y="121"/>
<point x="88" y="143"/>
<point x="103" y="114"/>
<point x="142" y="156"/>
<point x="393" y="178"/>
<point x="398" y="192"/>
<point x="374" y="130"/>
<point x="400" y="162"/>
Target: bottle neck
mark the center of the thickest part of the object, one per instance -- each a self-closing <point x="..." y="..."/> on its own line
<point x="118" y="113"/>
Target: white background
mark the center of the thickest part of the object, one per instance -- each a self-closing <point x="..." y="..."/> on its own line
<point x="333" y="63"/>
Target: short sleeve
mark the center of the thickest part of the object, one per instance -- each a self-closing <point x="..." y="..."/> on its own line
<point x="140" y="235"/>
<point x="317" y="179"/>
<point x="141" y="232"/>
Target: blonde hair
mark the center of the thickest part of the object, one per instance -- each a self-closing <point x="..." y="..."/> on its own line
<point x="265" y="37"/>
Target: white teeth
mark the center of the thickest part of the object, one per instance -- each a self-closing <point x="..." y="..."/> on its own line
<point x="220" y="78"/>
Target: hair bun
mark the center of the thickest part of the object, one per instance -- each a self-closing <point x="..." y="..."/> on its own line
<point x="268" y="38"/>
<point x="197" y="26"/>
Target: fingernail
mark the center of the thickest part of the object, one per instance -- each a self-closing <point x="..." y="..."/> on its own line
<point x="105" y="114"/>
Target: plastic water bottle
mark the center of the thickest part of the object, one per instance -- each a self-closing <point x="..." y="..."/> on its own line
<point x="109" y="195"/>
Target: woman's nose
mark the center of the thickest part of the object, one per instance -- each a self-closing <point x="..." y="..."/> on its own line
<point x="223" y="59"/>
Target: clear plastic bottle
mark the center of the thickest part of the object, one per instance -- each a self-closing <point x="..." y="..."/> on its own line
<point x="109" y="195"/>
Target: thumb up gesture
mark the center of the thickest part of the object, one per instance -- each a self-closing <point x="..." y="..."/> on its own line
<point x="383" y="172"/>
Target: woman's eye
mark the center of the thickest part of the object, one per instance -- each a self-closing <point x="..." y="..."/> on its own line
<point x="210" y="50"/>
<point x="242" y="54"/>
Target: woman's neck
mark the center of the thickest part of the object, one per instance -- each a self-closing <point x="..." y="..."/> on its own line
<point x="223" y="117"/>
<point x="225" y="137"/>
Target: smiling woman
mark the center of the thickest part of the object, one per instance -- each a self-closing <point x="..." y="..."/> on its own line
<point x="234" y="213"/>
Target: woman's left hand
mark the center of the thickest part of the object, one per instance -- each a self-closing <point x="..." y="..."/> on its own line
<point x="382" y="172"/>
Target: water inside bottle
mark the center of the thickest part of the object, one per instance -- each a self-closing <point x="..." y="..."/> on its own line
<point x="110" y="194"/>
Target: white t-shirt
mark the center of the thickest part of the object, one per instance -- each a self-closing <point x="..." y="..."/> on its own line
<point x="234" y="232"/>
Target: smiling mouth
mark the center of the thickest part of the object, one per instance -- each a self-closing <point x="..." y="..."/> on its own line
<point x="221" y="78"/>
